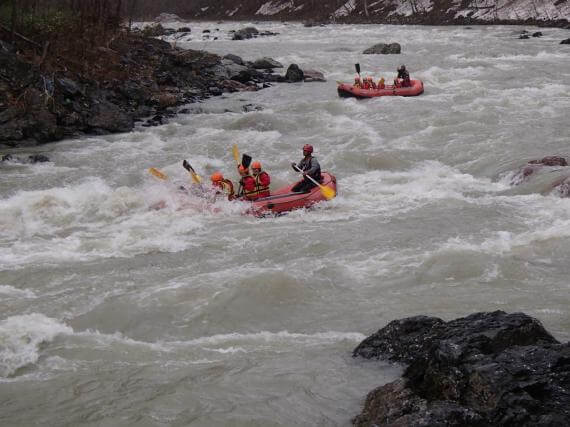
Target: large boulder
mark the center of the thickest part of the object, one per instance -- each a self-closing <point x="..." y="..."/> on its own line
<point x="107" y="117"/>
<point x="384" y="49"/>
<point x="245" y="33"/>
<point x="535" y="165"/>
<point x="266" y="63"/>
<point x="234" y="58"/>
<point x="566" y="41"/>
<point x="294" y="74"/>
<point x="313" y="76"/>
<point x="486" y="369"/>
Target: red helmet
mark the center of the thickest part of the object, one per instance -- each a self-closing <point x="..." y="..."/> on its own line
<point x="256" y="165"/>
<point x="308" y="147"/>
<point x="217" y="176"/>
<point x="243" y="169"/>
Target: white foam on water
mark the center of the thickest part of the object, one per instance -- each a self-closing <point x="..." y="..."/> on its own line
<point x="11" y="291"/>
<point x="21" y="338"/>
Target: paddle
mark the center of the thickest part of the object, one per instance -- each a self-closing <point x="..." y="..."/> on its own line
<point x="327" y="192"/>
<point x="245" y="159"/>
<point x="235" y="152"/>
<point x="357" y="67"/>
<point x="158" y="173"/>
<point x="195" y="177"/>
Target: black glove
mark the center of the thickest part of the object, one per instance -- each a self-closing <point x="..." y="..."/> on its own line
<point x="294" y="166"/>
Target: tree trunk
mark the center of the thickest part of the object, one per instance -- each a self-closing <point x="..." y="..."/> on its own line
<point x="366" y="8"/>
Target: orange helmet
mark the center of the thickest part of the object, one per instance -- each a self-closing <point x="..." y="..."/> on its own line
<point x="217" y="176"/>
<point x="243" y="169"/>
<point x="256" y="165"/>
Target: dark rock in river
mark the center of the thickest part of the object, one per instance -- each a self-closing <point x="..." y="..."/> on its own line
<point x="567" y="41"/>
<point x="266" y="63"/>
<point x="313" y="76"/>
<point x="384" y="48"/>
<point x="245" y="33"/>
<point x="294" y="74"/>
<point x="32" y="158"/>
<point x="534" y="165"/>
<point x="486" y="369"/>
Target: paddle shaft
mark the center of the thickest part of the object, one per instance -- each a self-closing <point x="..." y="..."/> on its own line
<point x="310" y="177"/>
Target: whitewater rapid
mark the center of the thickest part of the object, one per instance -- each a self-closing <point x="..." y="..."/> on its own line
<point x="114" y="312"/>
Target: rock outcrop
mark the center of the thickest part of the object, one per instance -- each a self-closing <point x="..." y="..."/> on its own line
<point x="384" y="49"/>
<point x="486" y="369"/>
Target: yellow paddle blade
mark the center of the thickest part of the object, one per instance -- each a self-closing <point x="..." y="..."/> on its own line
<point x="327" y="192"/>
<point x="196" y="178"/>
<point x="157" y="173"/>
<point x="235" y="152"/>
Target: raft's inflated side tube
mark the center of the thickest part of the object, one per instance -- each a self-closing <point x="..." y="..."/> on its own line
<point x="345" y="90"/>
<point x="283" y="200"/>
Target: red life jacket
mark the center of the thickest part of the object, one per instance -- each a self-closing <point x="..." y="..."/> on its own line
<point x="248" y="188"/>
<point x="262" y="182"/>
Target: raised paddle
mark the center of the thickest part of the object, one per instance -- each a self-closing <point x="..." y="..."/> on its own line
<point x="327" y="192"/>
<point x="357" y="67"/>
<point x="245" y="159"/>
<point x="195" y="177"/>
<point x="158" y="173"/>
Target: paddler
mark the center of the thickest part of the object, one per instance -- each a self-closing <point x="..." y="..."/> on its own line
<point x="310" y="168"/>
<point x="262" y="180"/>
<point x="223" y="185"/>
<point x="246" y="189"/>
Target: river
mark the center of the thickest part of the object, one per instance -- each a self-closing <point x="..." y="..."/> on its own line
<point x="116" y="314"/>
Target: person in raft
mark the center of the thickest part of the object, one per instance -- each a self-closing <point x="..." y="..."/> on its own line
<point x="381" y="84"/>
<point x="403" y="79"/>
<point x="310" y="167"/>
<point x="246" y="189"/>
<point x="262" y="180"/>
<point x="223" y="185"/>
<point x="357" y="81"/>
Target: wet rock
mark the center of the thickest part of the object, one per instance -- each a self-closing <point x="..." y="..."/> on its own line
<point x="215" y="91"/>
<point x="184" y="30"/>
<point x="537" y="34"/>
<point x="294" y="74"/>
<point x="107" y="117"/>
<point x="313" y="76"/>
<point x="251" y="107"/>
<point x="486" y="369"/>
<point x="567" y="41"/>
<point x="550" y="161"/>
<point x="245" y="33"/>
<point x="68" y="87"/>
<point x="561" y="186"/>
<point x="234" y="58"/>
<point x="266" y="63"/>
<point x="535" y="165"/>
<point x="31" y="159"/>
<point x="235" y="86"/>
<point x="524" y="37"/>
<point x="384" y="49"/>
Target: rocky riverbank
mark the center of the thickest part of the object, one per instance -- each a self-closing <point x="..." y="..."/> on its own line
<point x="134" y="78"/>
<point x="486" y="369"/>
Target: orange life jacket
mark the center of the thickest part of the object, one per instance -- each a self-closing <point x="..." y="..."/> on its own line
<point x="227" y="187"/>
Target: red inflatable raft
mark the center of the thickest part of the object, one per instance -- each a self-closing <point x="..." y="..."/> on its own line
<point x="345" y="90"/>
<point x="284" y="200"/>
